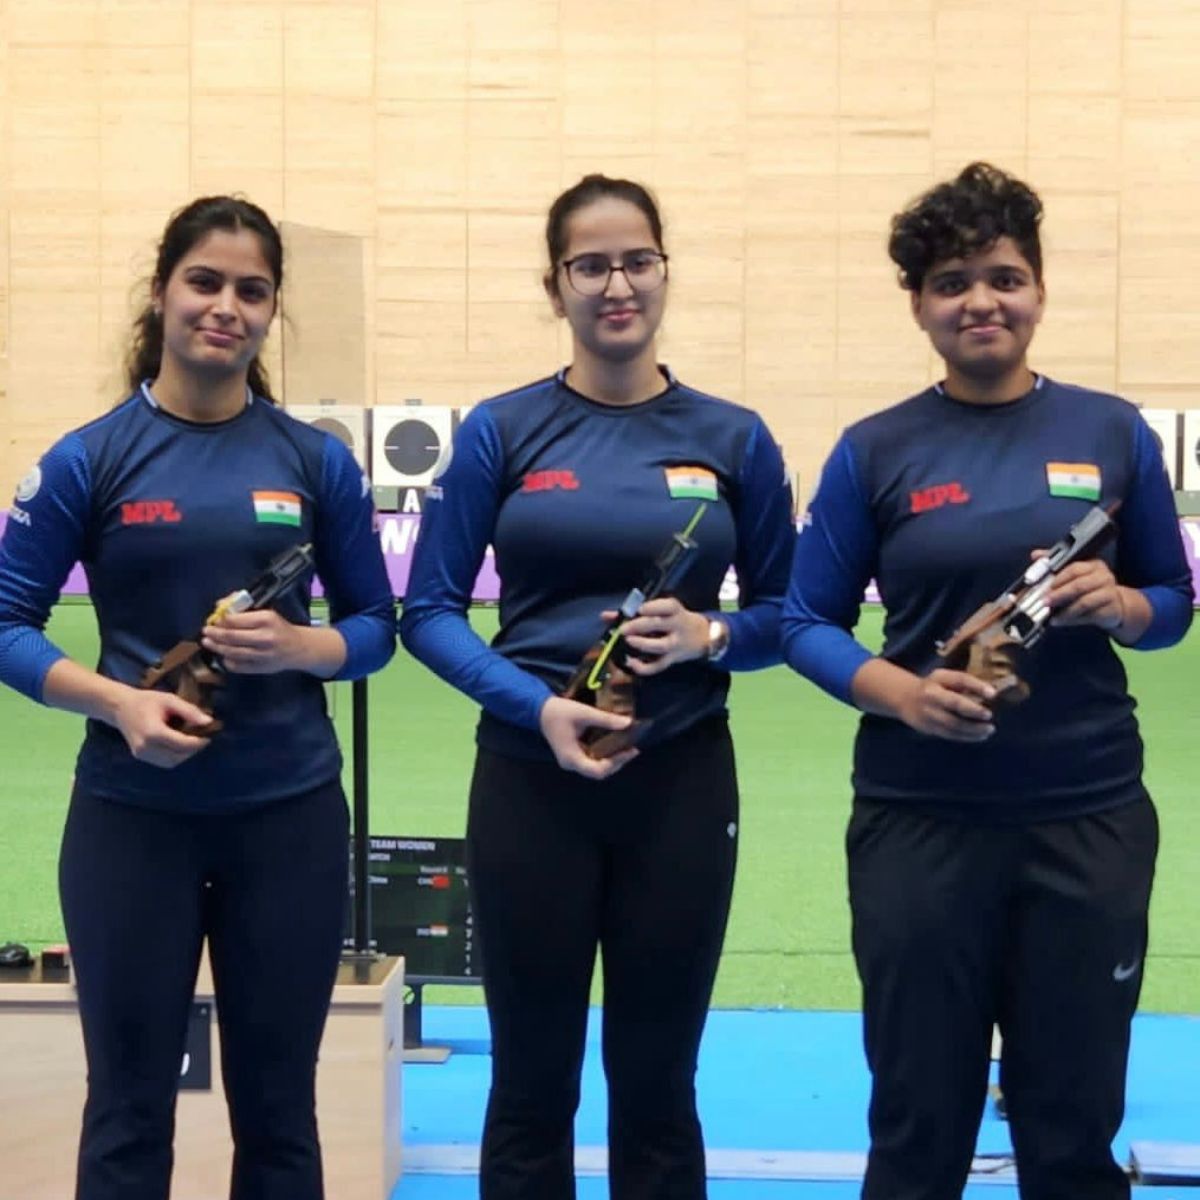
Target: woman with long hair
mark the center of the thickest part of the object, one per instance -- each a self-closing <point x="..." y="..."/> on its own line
<point x="579" y="480"/>
<point x="212" y="812"/>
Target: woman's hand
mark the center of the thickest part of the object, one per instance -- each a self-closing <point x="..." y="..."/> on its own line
<point x="1086" y="593"/>
<point x="259" y="642"/>
<point x="665" y="633"/>
<point x="949" y="704"/>
<point x="563" y="722"/>
<point x="145" y="720"/>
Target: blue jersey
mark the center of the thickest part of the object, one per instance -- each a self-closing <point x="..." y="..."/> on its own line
<point x="941" y="502"/>
<point x="578" y="499"/>
<point x="167" y="516"/>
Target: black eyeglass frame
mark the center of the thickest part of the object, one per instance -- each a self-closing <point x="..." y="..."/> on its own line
<point x="567" y="263"/>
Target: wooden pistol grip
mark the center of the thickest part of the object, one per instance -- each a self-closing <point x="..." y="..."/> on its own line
<point x="184" y="671"/>
<point x="956" y="648"/>
<point x="604" y="743"/>
<point x="174" y="658"/>
<point x="616" y="695"/>
<point x="994" y="658"/>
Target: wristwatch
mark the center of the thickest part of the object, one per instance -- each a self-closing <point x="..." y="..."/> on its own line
<point x="718" y="640"/>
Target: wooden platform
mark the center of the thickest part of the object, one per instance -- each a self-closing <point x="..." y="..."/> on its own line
<point x="358" y="1090"/>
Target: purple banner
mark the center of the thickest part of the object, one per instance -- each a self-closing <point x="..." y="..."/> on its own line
<point x="398" y="535"/>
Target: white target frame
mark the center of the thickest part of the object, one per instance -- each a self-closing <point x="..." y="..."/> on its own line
<point x="349" y="423"/>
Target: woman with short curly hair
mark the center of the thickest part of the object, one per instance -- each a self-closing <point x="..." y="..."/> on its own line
<point x="1000" y="856"/>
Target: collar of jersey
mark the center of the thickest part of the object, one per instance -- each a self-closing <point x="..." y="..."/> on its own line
<point x="560" y="377"/>
<point x="148" y="396"/>
<point x="1007" y="406"/>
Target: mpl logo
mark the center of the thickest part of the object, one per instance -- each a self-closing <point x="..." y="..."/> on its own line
<point x="927" y="499"/>
<point x="150" y="512"/>
<point x="548" y="481"/>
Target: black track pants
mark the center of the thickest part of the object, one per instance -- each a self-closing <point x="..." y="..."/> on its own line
<point x="1040" y="929"/>
<point x="642" y="866"/>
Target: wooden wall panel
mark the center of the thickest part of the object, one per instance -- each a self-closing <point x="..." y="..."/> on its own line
<point x="780" y="135"/>
<point x="323" y="331"/>
<point x="236" y="133"/>
<point x="53" y="134"/>
<point x="596" y="55"/>
<point x="5" y="409"/>
<point x="1159" y="308"/>
<point x="329" y="115"/>
<point x="145" y="170"/>
<point x="1158" y="51"/>
<point x="979" y="114"/>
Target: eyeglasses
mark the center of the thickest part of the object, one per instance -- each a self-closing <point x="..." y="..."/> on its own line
<point x="589" y="274"/>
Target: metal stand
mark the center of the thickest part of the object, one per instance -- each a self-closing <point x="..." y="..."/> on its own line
<point x="415" y="1049"/>
<point x="363" y="954"/>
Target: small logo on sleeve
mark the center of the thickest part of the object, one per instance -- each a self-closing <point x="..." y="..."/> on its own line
<point x="150" y="512"/>
<point x="30" y="484"/>
<point x="927" y="499"/>
<point x="691" y="483"/>
<point x="1079" y="481"/>
<point x="549" y="481"/>
<point x="276" y="508"/>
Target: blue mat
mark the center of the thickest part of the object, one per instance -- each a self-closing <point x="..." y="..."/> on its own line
<point x="787" y="1081"/>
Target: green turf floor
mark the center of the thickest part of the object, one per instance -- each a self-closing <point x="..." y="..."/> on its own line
<point x="788" y="941"/>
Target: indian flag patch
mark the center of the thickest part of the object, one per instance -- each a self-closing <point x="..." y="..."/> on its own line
<point x="276" y="508"/>
<point x="691" y="483"/>
<point x="1080" y="481"/>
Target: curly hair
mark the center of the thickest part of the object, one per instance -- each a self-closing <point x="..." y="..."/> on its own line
<point x="962" y="217"/>
<point x="187" y="227"/>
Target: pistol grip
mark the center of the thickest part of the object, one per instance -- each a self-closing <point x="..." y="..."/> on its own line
<point x="604" y="743"/>
<point x="185" y="672"/>
<point x="995" y="661"/>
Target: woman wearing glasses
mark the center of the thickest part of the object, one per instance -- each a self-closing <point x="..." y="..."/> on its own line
<point x="578" y="480"/>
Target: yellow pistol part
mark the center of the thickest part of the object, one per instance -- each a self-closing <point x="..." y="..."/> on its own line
<point x="235" y="602"/>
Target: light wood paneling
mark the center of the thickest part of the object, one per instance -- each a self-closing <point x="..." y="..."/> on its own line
<point x="5" y="175"/>
<point x="780" y="136"/>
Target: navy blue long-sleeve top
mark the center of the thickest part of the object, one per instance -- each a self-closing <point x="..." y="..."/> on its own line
<point x="941" y="503"/>
<point x="167" y="516"/>
<point x="576" y="499"/>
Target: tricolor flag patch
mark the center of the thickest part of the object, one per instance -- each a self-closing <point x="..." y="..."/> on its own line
<point x="1080" y="481"/>
<point x="691" y="483"/>
<point x="276" y="508"/>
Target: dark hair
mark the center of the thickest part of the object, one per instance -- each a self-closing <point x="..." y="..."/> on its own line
<point x="963" y="217"/>
<point x="186" y="227"/>
<point x="587" y="191"/>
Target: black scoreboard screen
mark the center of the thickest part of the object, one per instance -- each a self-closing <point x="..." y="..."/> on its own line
<point x="421" y="907"/>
